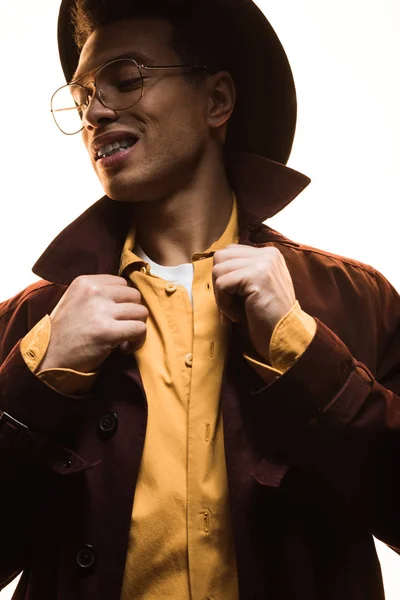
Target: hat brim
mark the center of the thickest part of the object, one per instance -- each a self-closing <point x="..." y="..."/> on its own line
<point x="264" y="120"/>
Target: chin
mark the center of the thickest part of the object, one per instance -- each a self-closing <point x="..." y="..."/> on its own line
<point x="140" y="186"/>
<point x="131" y="189"/>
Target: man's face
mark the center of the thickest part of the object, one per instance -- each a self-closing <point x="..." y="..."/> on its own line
<point x="169" y="123"/>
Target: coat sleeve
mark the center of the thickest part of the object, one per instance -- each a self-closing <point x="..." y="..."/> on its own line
<point x="336" y="424"/>
<point x="34" y="424"/>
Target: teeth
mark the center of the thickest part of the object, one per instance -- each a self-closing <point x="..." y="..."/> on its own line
<point x="108" y="148"/>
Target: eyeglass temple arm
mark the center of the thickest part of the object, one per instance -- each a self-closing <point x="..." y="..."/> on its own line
<point x="64" y="109"/>
<point x="164" y="67"/>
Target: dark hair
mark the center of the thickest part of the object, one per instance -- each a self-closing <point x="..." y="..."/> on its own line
<point x="195" y="40"/>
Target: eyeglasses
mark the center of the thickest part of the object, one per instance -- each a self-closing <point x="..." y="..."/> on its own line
<point x="119" y="84"/>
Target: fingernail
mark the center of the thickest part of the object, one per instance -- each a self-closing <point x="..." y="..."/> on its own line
<point x="224" y="319"/>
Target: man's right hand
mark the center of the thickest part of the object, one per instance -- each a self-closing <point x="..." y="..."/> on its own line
<point x="97" y="314"/>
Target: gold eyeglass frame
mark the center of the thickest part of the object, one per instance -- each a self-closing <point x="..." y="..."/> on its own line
<point x="98" y="93"/>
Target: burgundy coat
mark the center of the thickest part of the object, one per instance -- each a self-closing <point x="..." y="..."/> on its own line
<point x="313" y="459"/>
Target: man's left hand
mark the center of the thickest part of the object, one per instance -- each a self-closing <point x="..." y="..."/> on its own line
<point x="253" y="287"/>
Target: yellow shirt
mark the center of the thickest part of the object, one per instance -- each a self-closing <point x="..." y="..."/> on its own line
<point x="181" y="527"/>
<point x="181" y="543"/>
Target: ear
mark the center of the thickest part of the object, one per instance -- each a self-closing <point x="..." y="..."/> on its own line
<point x="222" y="98"/>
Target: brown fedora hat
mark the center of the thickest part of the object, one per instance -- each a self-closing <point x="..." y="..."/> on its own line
<point x="264" y="119"/>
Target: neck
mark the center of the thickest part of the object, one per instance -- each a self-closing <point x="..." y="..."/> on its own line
<point x="171" y="230"/>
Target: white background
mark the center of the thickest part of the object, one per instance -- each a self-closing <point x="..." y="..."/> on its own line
<point x="345" y="57"/>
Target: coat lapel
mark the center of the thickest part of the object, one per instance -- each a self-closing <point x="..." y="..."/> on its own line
<point x="92" y="244"/>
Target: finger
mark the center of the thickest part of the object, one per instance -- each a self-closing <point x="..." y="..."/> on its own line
<point x="228" y="288"/>
<point x="233" y="282"/>
<point x="100" y="286"/>
<point x="232" y="264"/>
<point x="120" y="294"/>
<point x="128" y="331"/>
<point x="131" y="347"/>
<point x="131" y="312"/>
<point x="114" y="280"/>
<point x="235" y="251"/>
<point x="225" y="320"/>
<point x="102" y="279"/>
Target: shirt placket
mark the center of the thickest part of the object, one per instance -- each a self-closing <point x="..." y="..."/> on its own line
<point x="170" y="330"/>
<point x="210" y="546"/>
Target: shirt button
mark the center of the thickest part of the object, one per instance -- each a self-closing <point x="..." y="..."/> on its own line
<point x="189" y="360"/>
<point x="146" y="269"/>
<point x="86" y="557"/>
<point x="170" y="288"/>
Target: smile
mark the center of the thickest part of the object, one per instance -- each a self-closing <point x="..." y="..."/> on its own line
<point x="114" y="148"/>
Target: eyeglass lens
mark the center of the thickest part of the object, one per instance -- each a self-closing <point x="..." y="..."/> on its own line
<point x="118" y="85"/>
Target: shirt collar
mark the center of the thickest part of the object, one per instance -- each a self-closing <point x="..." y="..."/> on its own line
<point x="93" y="243"/>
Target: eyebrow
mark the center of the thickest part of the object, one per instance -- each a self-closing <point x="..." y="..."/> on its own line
<point x="138" y="56"/>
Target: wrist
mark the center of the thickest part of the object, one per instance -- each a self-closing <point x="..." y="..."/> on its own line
<point x="62" y="362"/>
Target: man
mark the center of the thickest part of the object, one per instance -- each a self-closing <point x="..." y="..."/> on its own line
<point x="193" y="406"/>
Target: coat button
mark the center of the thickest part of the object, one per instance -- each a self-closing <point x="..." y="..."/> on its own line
<point x="86" y="557"/>
<point x="108" y="425"/>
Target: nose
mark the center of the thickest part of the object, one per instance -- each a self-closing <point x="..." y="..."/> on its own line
<point x="96" y="114"/>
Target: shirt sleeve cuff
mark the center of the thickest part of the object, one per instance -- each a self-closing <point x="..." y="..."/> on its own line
<point x="64" y="381"/>
<point x="291" y="338"/>
<point x="68" y="382"/>
<point x="266" y="372"/>
<point x="34" y="345"/>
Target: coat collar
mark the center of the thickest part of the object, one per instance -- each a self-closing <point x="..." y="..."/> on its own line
<point x="93" y="242"/>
